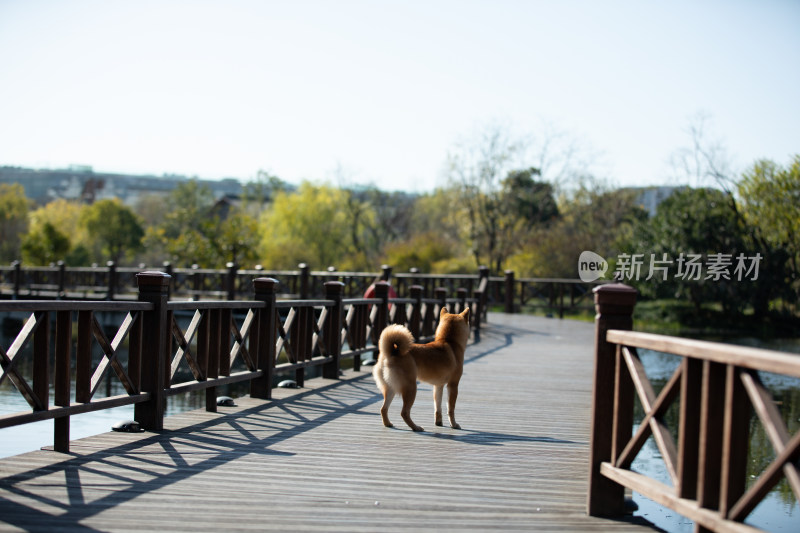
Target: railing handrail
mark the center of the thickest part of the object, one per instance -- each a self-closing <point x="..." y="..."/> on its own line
<point x="741" y="356"/>
<point x="11" y="306"/>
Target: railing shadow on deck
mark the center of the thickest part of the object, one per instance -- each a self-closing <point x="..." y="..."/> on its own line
<point x="715" y="386"/>
<point x="137" y="473"/>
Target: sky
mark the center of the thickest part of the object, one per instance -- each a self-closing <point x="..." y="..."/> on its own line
<point x="380" y="92"/>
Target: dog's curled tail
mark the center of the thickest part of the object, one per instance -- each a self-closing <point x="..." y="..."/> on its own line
<point x="395" y="340"/>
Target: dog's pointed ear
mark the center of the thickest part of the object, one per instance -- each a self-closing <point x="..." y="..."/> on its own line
<point x="443" y="312"/>
<point x="465" y="314"/>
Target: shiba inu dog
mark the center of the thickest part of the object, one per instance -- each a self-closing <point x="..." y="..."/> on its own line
<point x="441" y="362"/>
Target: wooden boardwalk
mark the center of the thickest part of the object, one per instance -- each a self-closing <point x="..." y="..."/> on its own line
<point x="319" y="459"/>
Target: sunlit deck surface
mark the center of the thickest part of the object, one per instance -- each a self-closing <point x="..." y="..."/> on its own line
<point x="318" y="458"/>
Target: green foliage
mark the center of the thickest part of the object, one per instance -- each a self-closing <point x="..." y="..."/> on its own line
<point x="689" y="222"/>
<point x="44" y="246"/>
<point x="707" y="223"/>
<point x="197" y="229"/>
<point x="530" y="200"/>
<point x="14" y="208"/>
<point x="258" y="193"/>
<point x="591" y="219"/>
<point x="308" y="226"/>
<point x="238" y="238"/>
<point x="114" y="228"/>
<point x="424" y="251"/>
<point x="769" y="197"/>
<point x="502" y="204"/>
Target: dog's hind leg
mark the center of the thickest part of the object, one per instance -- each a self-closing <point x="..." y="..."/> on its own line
<point x="388" y="396"/>
<point x="408" y="400"/>
<point x="452" y="395"/>
<point x="438" y="391"/>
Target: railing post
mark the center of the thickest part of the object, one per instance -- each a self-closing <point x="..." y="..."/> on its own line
<point x="386" y="273"/>
<point x="17" y="278"/>
<point x="614" y="304"/>
<point x="112" y="280"/>
<point x="265" y="290"/>
<point x="481" y="294"/>
<point x="62" y="279"/>
<point x="382" y="312"/>
<point x="230" y="280"/>
<point x="168" y="271"/>
<point x="440" y="294"/>
<point x="415" y="320"/>
<point x="414" y="271"/>
<point x="61" y="379"/>
<point x="153" y="288"/>
<point x="197" y="282"/>
<point x="334" y="290"/>
<point x="509" y="291"/>
<point x="305" y="274"/>
<point x="461" y="294"/>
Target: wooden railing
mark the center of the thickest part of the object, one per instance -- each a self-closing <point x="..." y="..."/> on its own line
<point x="716" y="385"/>
<point x="158" y="343"/>
<point x="110" y="282"/>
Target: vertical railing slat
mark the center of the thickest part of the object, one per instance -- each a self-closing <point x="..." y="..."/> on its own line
<point x="334" y="290"/>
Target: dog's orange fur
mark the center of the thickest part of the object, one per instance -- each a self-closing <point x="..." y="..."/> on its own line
<point x="441" y="362"/>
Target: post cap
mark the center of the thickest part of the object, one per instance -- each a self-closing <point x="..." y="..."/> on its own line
<point x="153" y="280"/>
<point x="333" y="287"/>
<point x="269" y="285"/>
<point x="614" y="299"/>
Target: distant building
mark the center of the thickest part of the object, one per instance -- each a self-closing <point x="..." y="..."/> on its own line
<point x="81" y="183"/>
<point x="650" y="197"/>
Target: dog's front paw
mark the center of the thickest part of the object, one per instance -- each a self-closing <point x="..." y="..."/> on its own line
<point x="455" y="425"/>
<point x="418" y="428"/>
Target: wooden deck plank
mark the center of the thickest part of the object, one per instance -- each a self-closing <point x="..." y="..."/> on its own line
<point x="319" y="459"/>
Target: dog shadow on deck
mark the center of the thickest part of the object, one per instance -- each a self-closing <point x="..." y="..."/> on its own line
<point x="491" y="438"/>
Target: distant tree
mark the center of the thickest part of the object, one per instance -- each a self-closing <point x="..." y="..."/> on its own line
<point x="593" y="218"/>
<point x="151" y="209"/>
<point x="426" y="251"/>
<point x="184" y="232"/>
<point x="258" y="193"/>
<point x="64" y="216"/>
<point x="501" y="199"/>
<point x="477" y="171"/>
<point x="114" y="228"/>
<point x="769" y="196"/>
<point x="14" y="206"/>
<point x="377" y="219"/>
<point x="307" y="226"/>
<point x="44" y="245"/>
<point x="196" y="229"/>
<point x="238" y="238"/>
<point x="693" y="222"/>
